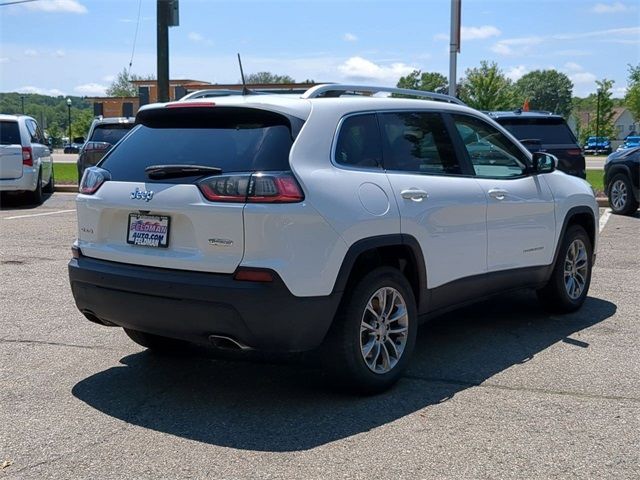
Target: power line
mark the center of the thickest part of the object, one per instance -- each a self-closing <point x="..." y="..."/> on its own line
<point x="135" y="36"/>
<point x="16" y="2"/>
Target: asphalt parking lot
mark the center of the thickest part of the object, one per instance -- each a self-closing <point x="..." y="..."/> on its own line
<point x="498" y="390"/>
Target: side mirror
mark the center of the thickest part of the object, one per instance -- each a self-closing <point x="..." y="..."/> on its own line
<point x="544" y="162"/>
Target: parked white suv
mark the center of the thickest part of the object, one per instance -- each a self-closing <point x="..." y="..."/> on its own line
<point x="25" y="159"/>
<point x="330" y="220"/>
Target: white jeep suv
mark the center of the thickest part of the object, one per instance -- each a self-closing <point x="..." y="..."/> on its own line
<point x="26" y="165"/>
<point x="338" y="219"/>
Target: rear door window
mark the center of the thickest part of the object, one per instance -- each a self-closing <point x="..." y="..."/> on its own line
<point x="417" y="142"/>
<point x="9" y="133"/>
<point x="548" y="131"/>
<point x="233" y="139"/>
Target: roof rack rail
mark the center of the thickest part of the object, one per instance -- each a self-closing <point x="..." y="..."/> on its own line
<point x="336" y="90"/>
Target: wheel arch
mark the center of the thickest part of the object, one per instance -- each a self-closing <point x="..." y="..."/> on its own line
<point x="582" y="216"/>
<point x="398" y="250"/>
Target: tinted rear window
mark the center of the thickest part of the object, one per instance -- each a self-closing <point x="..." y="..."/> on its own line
<point x="110" y="133"/>
<point x="9" y="133"/>
<point x="233" y="139"/>
<point x="547" y="130"/>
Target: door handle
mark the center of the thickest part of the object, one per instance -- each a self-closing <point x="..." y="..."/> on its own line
<point x="498" y="193"/>
<point x="414" y="194"/>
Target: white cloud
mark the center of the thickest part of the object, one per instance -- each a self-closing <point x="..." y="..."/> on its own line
<point x="582" y="78"/>
<point x="524" y="45"/>
<point x="4" y="59"/>
<point x="573" y="67"/>
<point x="615" y="7"/>
<point x="516" y="73"/>
<point x="30" y="52"/>
<point x="479" y="33"/>
<point x="196" y="37"/>
<point x="472" y="33"/>
<point x="59" y="53"/>
<point x="40" y="91"/>
<point x="358" y="68"/>
<point x="91" y="89"/>
<point x="69" y="6"/>
<point x="349" y="37"/>
<point x="108" y="78"/>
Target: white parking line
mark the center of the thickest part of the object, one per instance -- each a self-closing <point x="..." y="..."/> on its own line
<point x="604" y="219"/>
<point x="39" y="214"/>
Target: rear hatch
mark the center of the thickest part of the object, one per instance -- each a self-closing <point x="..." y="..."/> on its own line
<point x="10" y="150"/>
<point x="551" y="135"/>
<point x="179" y="217"/>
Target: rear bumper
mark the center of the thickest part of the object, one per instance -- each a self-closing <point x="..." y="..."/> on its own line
<point x="194" y="305"/>
<point x="27" y="181"/>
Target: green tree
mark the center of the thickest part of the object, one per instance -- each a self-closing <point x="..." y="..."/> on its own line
<point x="427" y="81"/>
<point x="632" y="97"/>
<point x="604" y="126"/>
<point x="80" y="123"/>
<point x="122" y="86"/>
<point x="545" y="90"/>
<point x="486" y="88"/>
<point x="267" y="77"/>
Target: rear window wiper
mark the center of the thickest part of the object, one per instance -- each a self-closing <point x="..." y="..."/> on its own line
<point x="158" y="172"/>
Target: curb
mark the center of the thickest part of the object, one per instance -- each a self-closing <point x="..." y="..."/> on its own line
<point x="603" y="202"/>
<point x="66" y="188"/>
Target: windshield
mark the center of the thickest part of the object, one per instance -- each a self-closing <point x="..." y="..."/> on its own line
<point x="547" y="130"/>
<point x="111" y="133"/>
<point x="597" y="139"/>
<point x="633" y="140"/>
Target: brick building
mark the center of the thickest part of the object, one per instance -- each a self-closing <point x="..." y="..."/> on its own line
<point x="148" y="93"/>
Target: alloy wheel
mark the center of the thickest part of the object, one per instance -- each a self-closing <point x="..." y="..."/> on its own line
<point x="384" y="329"/>
<point x="575" y="269"/>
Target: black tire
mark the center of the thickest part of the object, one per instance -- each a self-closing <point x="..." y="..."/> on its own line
<point x="555" y="296"/>
<point x="158" y="344"/>
<point x="50" y="187"/>
<point x="36" y="197"/>
<point x="343" y="353"/>
<point x="621" y="199"/>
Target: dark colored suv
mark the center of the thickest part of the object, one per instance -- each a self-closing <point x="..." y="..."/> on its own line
<point x="104" y="133"/>
<point x="545" y="132"/>
<point x="622" y="181"/>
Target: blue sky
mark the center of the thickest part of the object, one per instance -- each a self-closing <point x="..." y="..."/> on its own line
<point x="63" y="47"/>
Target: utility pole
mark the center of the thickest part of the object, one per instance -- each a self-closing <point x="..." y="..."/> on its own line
<point x="163" y="50"/>
<point x="167" y="16"/>
<point x="22" y="100"/>
<point x="456" y="10"/>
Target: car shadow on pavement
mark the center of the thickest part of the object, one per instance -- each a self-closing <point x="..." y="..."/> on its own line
<point x="290" y="406"/>
<point x="9" y="201"/>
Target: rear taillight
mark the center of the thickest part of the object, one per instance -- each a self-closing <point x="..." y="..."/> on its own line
<point x="27" y="156"/>
<point x="269" y="187"/>
<point x="92" y="180"/>
<point x="574" y="151"/>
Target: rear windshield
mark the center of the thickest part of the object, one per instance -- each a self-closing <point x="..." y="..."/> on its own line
<point x="547" y="130"/>
<point x="633" y="139"/>
<point x="233" y="139"/>
<point x="110" y="133"/>
<point x="9" y="133"/>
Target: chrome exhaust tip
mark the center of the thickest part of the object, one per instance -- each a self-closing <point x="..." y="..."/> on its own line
<point x="227" y="343"/>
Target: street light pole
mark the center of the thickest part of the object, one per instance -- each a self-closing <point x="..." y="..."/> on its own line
<point x="69" y="121"/>
<point x="22" y="100"/>
<point x="454" y="44"/>
<point x="598" y="114"/>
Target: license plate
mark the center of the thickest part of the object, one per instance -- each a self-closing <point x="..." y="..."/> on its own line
<point x="148" y="230"/>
